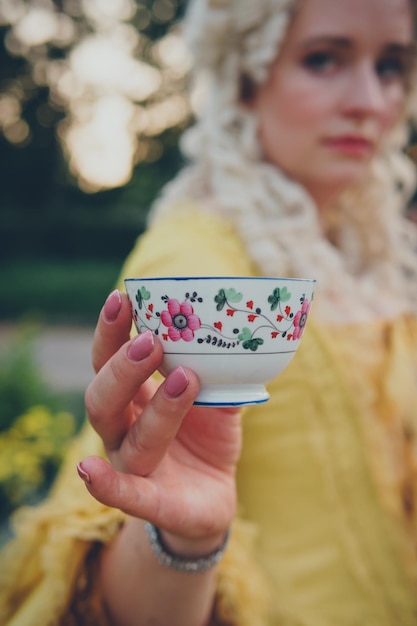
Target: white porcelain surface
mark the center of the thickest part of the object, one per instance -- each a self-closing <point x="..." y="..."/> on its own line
<point x="235" y="333"/>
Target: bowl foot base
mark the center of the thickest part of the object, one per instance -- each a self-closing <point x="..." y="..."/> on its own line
<point x="231" y="395"/>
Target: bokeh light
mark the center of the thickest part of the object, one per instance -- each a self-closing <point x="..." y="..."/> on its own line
<point x="119" y="90"/>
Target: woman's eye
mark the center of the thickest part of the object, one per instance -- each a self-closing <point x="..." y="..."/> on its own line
<point x="320" y="61"/>
<point x="391" y="68"/>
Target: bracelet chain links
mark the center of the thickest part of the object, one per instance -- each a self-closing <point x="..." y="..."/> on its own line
<point x="178" y="563"/>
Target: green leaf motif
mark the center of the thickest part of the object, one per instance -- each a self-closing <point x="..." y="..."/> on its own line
<point x="220" y="299"/>
<point x="245" y="335"/>
<point x="233" y="296"/>
<point x="274" y="299"/>
<point x="285" y="295"/>
<point x="277" y="296"/>
<point x="227" y="295"/>
<point x="253" y="344"/>
<point x="142" y="294"/>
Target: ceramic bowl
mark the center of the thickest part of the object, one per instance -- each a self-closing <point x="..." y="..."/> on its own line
<point x="235" y="333"/>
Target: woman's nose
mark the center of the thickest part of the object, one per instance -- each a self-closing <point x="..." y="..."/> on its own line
<point x="364" y="94"/>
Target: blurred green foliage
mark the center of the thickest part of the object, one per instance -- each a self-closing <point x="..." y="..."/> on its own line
<point x="56" y="291"/>
<point x="31" y="451"/>
<point x="59" y="221"/>
<point x="21" y="385"/>
<point x="36" y="426"/>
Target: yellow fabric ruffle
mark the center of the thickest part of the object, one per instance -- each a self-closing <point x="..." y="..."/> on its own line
<point x="41" y="567"/>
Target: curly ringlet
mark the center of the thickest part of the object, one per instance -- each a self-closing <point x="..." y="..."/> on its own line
<point x="233" y="43"/>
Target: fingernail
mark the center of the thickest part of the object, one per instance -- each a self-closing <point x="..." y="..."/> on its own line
<point x="141" y="346"/>
<point x="112" y="306"/>
<point x="176" y="382"/>
<point x="83" y="474"/>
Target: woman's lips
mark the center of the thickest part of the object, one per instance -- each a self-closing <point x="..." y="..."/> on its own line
<point x="350" y="145"/>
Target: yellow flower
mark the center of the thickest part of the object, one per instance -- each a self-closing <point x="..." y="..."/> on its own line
<point x="32" y="447"/>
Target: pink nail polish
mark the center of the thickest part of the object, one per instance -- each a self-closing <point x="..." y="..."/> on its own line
<point x="83" y="474"/>
<point x="112" y="306"/>
<point x="141" y="346"/>
<point x="176" y="382"/>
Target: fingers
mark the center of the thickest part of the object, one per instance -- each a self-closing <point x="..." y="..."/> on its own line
<point x="122" y="389"/>
<point x="133" y="495"/>
<point x="149" y="438"/>
<point x="113" y="328"/>
<point x="109" y="396"/>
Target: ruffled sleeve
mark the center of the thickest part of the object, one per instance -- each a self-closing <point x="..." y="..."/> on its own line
<point x="46" y="565"/>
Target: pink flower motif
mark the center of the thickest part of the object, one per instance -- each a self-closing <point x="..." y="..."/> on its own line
<point x="300" y="319"/>
<point x="180" y="320"/>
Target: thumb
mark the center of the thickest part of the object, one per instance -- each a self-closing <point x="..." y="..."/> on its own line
<point x="133" y="495"/>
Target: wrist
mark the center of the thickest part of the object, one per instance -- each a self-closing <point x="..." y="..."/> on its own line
<point x="192" y="547"/>
<point x="186" y="555"/>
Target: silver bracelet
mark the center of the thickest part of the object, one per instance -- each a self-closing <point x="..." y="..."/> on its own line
<point x="178" y="563"/>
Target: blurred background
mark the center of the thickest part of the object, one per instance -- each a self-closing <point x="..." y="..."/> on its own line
<point x="92" y="101"/>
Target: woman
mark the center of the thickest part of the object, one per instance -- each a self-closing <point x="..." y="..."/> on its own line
<point x="296" y="169"/>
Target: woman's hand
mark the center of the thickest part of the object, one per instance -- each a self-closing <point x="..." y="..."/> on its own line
<point x="170" y="463"/>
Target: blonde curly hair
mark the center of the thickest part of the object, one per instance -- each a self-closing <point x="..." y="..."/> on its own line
<point x="368" y="252"/>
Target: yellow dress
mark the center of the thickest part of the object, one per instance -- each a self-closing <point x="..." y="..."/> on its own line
<point x="326" y="534"/>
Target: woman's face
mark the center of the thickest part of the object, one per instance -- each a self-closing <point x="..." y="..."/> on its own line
<point x="335" y="91"/>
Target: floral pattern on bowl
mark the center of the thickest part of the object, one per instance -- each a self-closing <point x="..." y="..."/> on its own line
<point x="235" y="333"/>
<point x="283" y="317"/>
